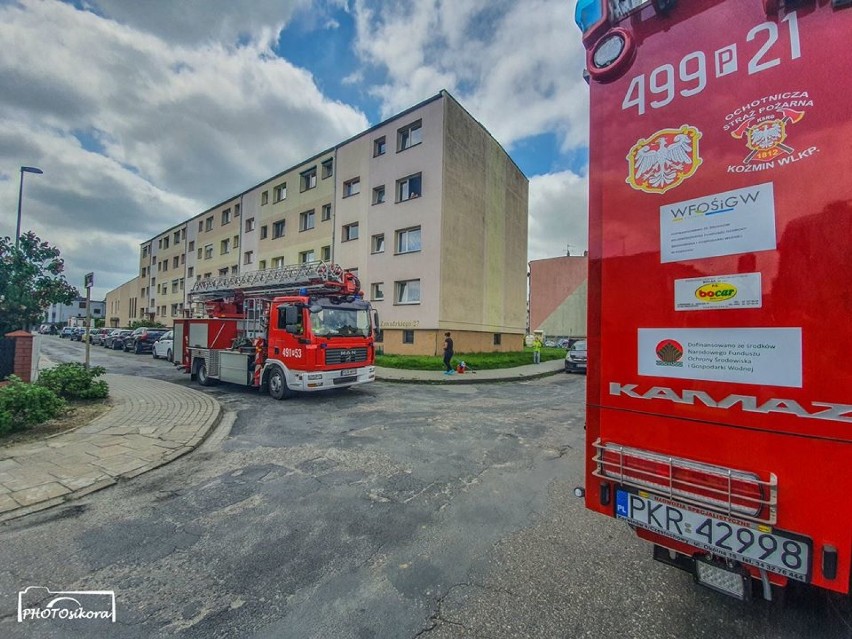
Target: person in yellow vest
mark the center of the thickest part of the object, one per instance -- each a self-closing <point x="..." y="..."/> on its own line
<point x="537" y="350"/>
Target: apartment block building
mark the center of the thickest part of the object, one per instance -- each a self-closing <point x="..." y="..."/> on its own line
<point x="122" y="304"/>
<point x="426" y="208"/>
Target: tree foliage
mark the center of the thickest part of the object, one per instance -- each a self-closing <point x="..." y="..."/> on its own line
<point x="31" y="279"/>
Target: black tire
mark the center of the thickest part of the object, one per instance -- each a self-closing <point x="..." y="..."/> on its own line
<point x="154" y="353"/>
<point x="201" y="374"/>
<point x="278" y="388"/>
<point x="169" y="357"/>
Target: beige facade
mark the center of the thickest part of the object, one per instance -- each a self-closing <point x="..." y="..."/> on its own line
<point x="123" y="304"/>
<point x="426" y="208"/>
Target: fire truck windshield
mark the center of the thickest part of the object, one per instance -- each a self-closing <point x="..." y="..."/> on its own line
<point x="341" y="321"/>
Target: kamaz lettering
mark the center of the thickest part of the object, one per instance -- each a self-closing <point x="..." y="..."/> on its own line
<point x="748" y="403"/>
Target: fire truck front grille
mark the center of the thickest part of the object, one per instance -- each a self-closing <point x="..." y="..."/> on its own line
<point x="736" y="493"/>
<point x="345" y="355"/>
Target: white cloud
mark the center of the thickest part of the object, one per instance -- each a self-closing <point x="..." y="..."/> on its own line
<point x="171" y="129"/>
<point x="559" y="218"/>
<point x="516" y="66"/>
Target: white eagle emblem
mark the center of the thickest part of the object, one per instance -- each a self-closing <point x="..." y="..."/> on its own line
<point x="664" y="160"/>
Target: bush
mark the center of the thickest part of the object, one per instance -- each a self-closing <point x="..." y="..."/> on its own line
<point x="72" y="380"/>
<point x="25" y="405"/>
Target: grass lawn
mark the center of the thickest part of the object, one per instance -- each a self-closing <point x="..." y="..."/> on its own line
<point x="476" y="361"/>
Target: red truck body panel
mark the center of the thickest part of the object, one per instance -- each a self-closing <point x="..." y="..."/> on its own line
<point x="720" y="314"/>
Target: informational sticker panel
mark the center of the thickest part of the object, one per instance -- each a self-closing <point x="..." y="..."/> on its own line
<point x="741" y="290"/>
<point x="728" y="223"/>
<point x="767" y="356"/>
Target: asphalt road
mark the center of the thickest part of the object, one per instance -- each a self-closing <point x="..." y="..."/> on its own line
<point x="384" y="511"/>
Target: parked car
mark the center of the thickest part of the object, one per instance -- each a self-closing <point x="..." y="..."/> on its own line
<point x="98" y="335"/>
<point x="163" y="347"/>
<point x="142" y="340"/>
<point x="576" y="357"/>
<point x="66" y="331"/>
<point x="77" y="334"/>
<point x="115" y="340"/>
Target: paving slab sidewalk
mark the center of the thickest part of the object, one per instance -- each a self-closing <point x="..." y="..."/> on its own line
<point x="150" y="423"/>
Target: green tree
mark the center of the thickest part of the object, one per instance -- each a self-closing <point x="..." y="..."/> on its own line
<point x="31" y="279"/>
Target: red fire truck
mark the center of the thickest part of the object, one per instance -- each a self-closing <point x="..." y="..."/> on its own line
<point x="719" y="418"/>
<point x="304" y="327"/>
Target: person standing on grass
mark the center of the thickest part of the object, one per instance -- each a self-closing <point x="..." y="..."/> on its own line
<point x="536" y="350"/>
<point x="448" y="353"/>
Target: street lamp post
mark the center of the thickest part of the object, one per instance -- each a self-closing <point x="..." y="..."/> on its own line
<point x="24" y="169"/>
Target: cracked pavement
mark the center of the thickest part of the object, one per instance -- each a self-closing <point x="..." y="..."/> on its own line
<point x="384" y="511"/>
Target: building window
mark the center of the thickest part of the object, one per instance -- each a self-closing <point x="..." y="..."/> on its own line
<point x="208" y="252"/>
<point x="223" y="271"/>
<point x="236" y="243"/>
<point x="198" y="255"/>
<point x="325" y="251"/>
<point x="225" y="247"/>
<point x="409" y="136"/>
<point x="408" y="240"/>
<point x="165" y="264"/>
<point x="249" y="225"/>
<point x="408" y="292"/>
<point x="226" y="217"/>
<point x="280" y="192"/>
<point x="278" y="262"/>
<point x="352" y="187"/>
<point x="326" y="212"/>
<point x="190" y="271"/>
<point x="248" y="257"/>
<point x="264" y="198"/>
<point x="377" y="291"/>
<point x="408" y="188"/>
<point x="192" y="246"/>
<point x="379" y="194"/>
<point x="183" y="258"/>
<point x="350" y="232"/>
<point x="377" y="243"/>
<point x="307" y="220"/>
<point x="145" y="250"/>
<point x="165" y="242"/>
<point x="234" y="269"/>
<point x="208" y="224"/>
<point x="261" y="265"/>
<point x="278" y="229"/>
<point x="264" y="232"/>
<point x="175" y="286"/>
<point x="200" y="225"/>
<point x="306" y="256"/>
<point x="498" y="339"/>
<point x="176" y="238"/>
<point x="308" y="179"/>
<point x="327" y="168"/>
<point x="175" y="261"/>
<point x="407" y="336"/>
<point x="379" y="146"/>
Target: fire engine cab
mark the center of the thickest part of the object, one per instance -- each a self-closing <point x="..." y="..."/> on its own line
<point x="304" y="327"/>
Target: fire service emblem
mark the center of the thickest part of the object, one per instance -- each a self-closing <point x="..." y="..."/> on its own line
<point x="664" y="160"/>
<point x="765" y="136"/>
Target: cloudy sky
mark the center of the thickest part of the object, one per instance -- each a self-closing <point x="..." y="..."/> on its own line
<point x="143" y="114"/>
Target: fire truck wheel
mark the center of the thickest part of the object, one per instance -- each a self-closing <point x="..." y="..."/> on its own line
<point x="201" y="374"/>
<point x="278" y="388"/>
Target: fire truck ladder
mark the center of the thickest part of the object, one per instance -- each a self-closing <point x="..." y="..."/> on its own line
<point x="312" y="277"/>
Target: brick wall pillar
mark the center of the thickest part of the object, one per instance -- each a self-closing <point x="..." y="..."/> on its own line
<point x="23" y="354"/>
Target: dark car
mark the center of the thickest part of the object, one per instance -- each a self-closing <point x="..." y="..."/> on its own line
<point x="77" y="334"/>
<point x="142" y="340"/>
<point x="115" y="340"/>
<point x="576" y="357"/>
